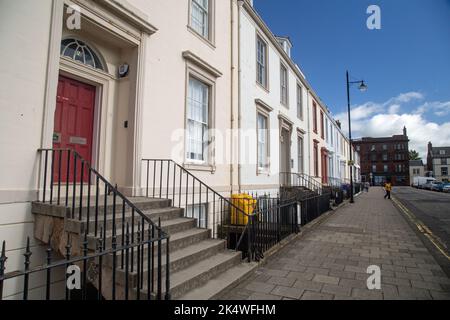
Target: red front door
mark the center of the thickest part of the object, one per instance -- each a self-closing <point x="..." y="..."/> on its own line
<point x="74" y="122"/>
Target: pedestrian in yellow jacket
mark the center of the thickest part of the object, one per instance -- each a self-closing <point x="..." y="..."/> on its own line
<point x="388" y="189"/>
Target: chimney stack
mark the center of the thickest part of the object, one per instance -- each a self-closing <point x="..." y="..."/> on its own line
<point x="338" y="124"/>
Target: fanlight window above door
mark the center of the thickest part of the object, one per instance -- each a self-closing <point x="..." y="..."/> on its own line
<point x="81" y="52"/>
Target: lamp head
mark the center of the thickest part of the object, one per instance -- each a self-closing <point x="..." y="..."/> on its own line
<point x="363" y="87"/>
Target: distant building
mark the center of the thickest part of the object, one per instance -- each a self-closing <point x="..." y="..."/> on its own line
<point x="416" y="169"/>
<point x="438" y="162"/>
<point x="384" y="158"/>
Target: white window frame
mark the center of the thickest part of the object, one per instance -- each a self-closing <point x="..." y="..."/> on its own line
<point x="262" y="169"/>
<point x="195" y="214"/>
<point x="284" y="89"/>
<point x="300" y="154"/>
<point x="208" y="33"/>
<point x="204" y="122"/>
<point x="299" y="101"/>
<point x="208" y="164"/>
<point x="264" y="63"/>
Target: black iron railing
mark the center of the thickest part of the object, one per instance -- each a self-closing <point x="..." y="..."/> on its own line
<point x="246" y="223"/>
<point x="291" y="179"/>
<point x="166" y="179"/>
<point x="273" y="220"/>
<point x="123" y="234"/>
<point x="57" y="279"/>
<point x="313" y="207"/>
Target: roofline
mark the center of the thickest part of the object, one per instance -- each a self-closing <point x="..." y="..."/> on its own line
<point x="263" y="26"/>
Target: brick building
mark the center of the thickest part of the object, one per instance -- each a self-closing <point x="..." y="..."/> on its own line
<point x="384" y="158"/>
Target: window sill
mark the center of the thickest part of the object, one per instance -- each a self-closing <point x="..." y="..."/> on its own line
<point x="199" y="167"/>
<point x="198" y="35"/>
<point x="266" y="89"/>
<point x="263" y="172"/>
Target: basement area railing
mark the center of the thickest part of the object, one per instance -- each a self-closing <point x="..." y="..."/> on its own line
<point x="115" y="235"/>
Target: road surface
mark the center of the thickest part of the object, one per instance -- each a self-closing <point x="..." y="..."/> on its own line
<point x="433" y="210"/>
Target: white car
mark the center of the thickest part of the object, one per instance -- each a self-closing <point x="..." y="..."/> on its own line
<point x="446" y="188"/>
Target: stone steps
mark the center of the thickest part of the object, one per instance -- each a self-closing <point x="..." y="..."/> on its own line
<point x="178" y="240"/>
<point x="198" y="274"/>
<point x="195" y="258"/>
<point x="165" y="214"/>
<point x="222" y="282"/>
<point x="179" y="260"/>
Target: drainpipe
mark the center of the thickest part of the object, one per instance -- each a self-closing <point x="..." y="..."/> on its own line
<point x="309" y="132"/>
<point x="232" y="95"/>
<point x="239" y="92"/>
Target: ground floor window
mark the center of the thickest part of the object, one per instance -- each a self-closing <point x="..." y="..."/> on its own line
<point x="197" y="115"/>
<point x="300" y="154"/>
<point x="444" y="171"/>
<point x="263" y="145"/>
<point x="316" y="159"/>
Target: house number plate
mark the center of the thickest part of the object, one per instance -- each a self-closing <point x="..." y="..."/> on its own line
<point x="78" y="140"/>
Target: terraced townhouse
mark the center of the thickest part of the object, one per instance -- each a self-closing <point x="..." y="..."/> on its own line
<point x="134" y="122"/>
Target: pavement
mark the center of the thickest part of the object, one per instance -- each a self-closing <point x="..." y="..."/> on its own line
<point x="330" y="260"/>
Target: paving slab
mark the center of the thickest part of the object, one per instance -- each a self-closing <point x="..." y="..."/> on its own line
<point x="330" y="261"/>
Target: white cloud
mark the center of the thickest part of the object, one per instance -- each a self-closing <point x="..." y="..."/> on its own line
<point x="387" y="120"/>
<point x="409" y="96"/>
<point x="437" y="107"/>
<point x="395" y="108"/>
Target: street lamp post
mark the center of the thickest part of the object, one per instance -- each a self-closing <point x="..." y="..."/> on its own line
<point x="362" y="87"/>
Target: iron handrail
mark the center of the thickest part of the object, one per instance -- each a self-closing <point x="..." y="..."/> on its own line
<point x="109" y="185"/>
<point x="202" y="183"/>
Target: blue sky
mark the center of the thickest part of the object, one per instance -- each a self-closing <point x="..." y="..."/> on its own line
<point x="406" y="64"/>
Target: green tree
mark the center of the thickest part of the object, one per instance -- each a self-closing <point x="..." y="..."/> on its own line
<point x="414" y="155"/>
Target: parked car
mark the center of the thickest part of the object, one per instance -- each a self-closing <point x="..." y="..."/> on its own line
<point x="446" y="187"/>
<point x="427" y="186"/>
<point x="436" y="186"/>
<point x="420" y="182"/>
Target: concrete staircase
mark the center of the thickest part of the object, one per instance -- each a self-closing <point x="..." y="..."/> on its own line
<point x="200" y="267"/>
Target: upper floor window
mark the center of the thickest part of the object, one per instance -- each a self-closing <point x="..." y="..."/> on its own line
<point x="261" y="62"/>
<point x="299" y="102"/>
<point x="372" y="148"/>
<point x="442" y="152"/>
<point x="200" y="17"/>
<point x="314" y="117"/>
<point x="322" y="128"/>
<point x="79" y="51"/>
<point x="384" y="147"/>
<point x="284" y="85"/>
